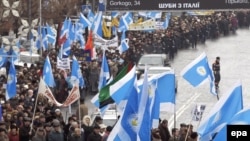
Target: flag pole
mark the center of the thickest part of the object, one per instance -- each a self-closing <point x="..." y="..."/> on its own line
<point x="34" y="111"/>
<point x="189" y="127"/>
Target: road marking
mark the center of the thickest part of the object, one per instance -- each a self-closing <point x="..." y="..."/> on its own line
<point x="182" y="109"/>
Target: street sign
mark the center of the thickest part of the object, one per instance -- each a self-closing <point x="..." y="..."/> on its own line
<point x="174" y="5"/>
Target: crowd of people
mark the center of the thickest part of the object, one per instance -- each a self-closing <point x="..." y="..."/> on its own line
<point x="30" y="117"/>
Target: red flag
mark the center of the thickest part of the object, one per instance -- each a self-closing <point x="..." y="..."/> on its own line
<point x="89" y="44"/>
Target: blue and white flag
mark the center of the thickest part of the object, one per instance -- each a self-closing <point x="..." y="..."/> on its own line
<point x="104" y="74"/>
<point x="3" y="55"/>
<point x="83" y="21"/>
<point x="127" y="126"/>
<point x="144" y="117"/>
<point x="45" y="44"/>
<point x="125" y="21"/>
<point x="97" y="24"/>
<point x="166" y="22"/>
<point x="51" y="35"/>
<point x="198" y="71"/>
<point x="154" y="15"/>
<point x="76" y="73"/>
<point x="66" y="48"/>
<point x="11" y="82"/>
<point x="124" y="43"/>
<point x="101" y="6"/>
<point x="241" y="118"/>
<point x="79" y="35"/>
<point x="47" y="73"/>
<point x="114" y="14"/>
<point x="228" y="105"/>
<point x="91" y="17"/>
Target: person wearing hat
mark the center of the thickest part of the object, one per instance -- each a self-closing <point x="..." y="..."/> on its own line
<point x="103" y="129"/>
<point x="98" y="120"/>
<point x="95" y="135"/>
<point x="216" y="71"/>
<point x="76" y="135"/>
<point x="47" y="128"/>
<point x="3" y="135"/>
<point x="56" y="134"/>
<point x="25" y="132"/>
<point x="13" y="133"/>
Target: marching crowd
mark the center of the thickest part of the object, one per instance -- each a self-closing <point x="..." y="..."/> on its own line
<point x="23" y="121"/>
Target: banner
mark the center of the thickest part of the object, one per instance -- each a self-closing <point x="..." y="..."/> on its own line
<point x="146" y="25"/>
<point x="63" y="63"/>
<point x="172" y="5"/>
<point x="100" y="42"/>
<point x="83" y="55"/>
<point x="198" y="112"/>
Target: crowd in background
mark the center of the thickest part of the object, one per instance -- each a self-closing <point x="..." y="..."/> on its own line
<point x="48" y="123"/>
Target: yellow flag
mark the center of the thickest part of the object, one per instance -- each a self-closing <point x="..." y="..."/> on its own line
<point x="106" y="30"/>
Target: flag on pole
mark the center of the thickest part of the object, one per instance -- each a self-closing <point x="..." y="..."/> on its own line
<point x="104" y="74"/>
<point x="101" y="6"/>
<point x="96" y="27"/>
<point x="84" y="22"/>
<point x="124" y="43"/>
<point x="76" y="73"/>
<point x="47" y="73"/>
<point x="11" y="82"/>
<point x="119" y="88"/>
<point x="125" y="21"/>
<point x="198" y="71"/>
<point x="144" y="117"/>
<point x="197" y="112"/>
<point x="241" y="118"/>
<point x="51" y="35"/>
<point x="3" y="55"/>
<point x="126" y="127"/>
<point x="222" y="112"/>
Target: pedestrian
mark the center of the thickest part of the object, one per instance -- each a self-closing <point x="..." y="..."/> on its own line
<point x="76" y="135"/>
<point x="25" y="132"/>
<point x="82" y="110"/>
<point x="3" y="135"/>
<point x="164" y="131"/>
<point x="95" y="135"/>
<point x="87" y="126"/>
<point x="40" y="135"/>
<point x="57" y="134"/>
<point x="13" y="133"/>
<point x="216" y="71"/>
<point x="107" y="132"/>
<point x="175" y="135"/>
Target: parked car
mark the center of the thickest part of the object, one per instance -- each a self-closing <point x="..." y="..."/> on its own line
<point x="158" y="70"/>
<point x="151" y="60"/>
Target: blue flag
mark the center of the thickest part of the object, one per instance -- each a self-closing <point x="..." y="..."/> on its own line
<point x="76" y="73"/>
<point x="124" y="43"/>
<point x="104" y="74"/>
<point x="3" y="55"/>
<point x="125" y="21"/>
<point x="198" y="71"/>
<point x="11" y="82"/>
<point x="221" y="113"/>
<point x="126" y="128"/>
<point x="83" y="21"/>
<point x="166" y="22"/>
<point x="144" y="117"/>
<point x="241" y="118"/>
<point x="51" y="35"/>
<point x="101" y="6"/>
<point x="66" y="48"/>
<point x="96" y="27"/>
<point x="47" y="73"/>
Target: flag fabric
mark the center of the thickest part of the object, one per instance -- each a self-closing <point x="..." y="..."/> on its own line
<point x="166" y="22"/>
<point x="44" y="39"/>
<point x="144" y="117"/>
<point x="106" y="30"/>
<point x="125" y="21"/>
<point x="124" y="43"/>
<point x="126" y="127"/>
<point x="79" y="35"/>
<point x="76" y="74"/>
<point x="64" y="32"/>
<point x="114" y="14"/>
<point x="241" y="118"/>
<point x="83" y="21"/>
<point x="3" y="55"/>
<point x="96" y="27"/>
<point x="117" y="90"/>
<point x="66" y="48"/>
<point x="198" y="71"/>
<point x="104" y="73"/>
<point x="101" y="6"/>
<point x="89" y="44"/>
<point x="91" y="17"/>
<point x="51" y="35"/>
<point x="154" y="15"/>
<point x="47" y="73"/>
<point x="155" y="101"/>
<point x="222" y="112"/>
<point x="11" y="82"/>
